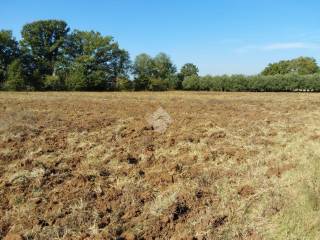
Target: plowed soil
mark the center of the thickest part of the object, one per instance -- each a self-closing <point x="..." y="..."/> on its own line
<point x="94" y="166"/>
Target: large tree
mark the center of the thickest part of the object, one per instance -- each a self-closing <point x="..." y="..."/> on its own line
<point x="164" y="73"/>
<point x="143" y="70"/>
<point x="164" y="68"/>
<point x="301" y="65"/>
<point x="9" y="51"/>
<point x="44" y="40"/>
<point x="191" y="82"/>
<point x="156" y="73"/>
<point x="187" y="70"/>
<point x="99" y="58"/>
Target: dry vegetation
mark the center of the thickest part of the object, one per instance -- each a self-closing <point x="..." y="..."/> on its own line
<point x="90" y="166"/>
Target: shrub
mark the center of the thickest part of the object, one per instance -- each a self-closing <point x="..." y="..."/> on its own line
<point x="97" y="80"/>
<point x="15" y="79"/>
<point x="206" y="83"/>
<point x="158" y="84"/>
<point x="191" y="83"/>
<point x="174" y="82"/>
<point x="123" y="84"/>
<point x="2" y="76"/>
<point x="54" y="83"/>
<point x="76" y="79"/>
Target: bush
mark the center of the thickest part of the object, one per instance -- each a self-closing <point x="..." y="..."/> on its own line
<point x="206" y="83"/>
<point x="191" y="83"/>
<point x="174" y="82"/>
<point x="15" y="79"/>
<point x="97" y="80"/>
<point x="123" y="84"/>
<point x="158" y="84"/>
<point x="54" y="83"/>
<point x="76" y="80"/>
<point x="2" y="77"/>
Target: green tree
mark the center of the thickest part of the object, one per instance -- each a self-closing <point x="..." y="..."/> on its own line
<point x="54" y="83"/>
<point x="174" y="82"/>
<point x="189" y="69"/>
<point x="150" y="73"/>
<point x="304" y="66"/>
<point x="44" y="41"/>
<point x="9" y="51"/>
<point x="77" y="78"/>
<point x="123" y="84"/>
<point x="163" y="74"/>
<point x="207" y="83"/>
<point x="191" y="83"/>
<point x="15" y="79"/>
<point x="100" y="56"/>
<point x="163" y="66"/>
<point x="143" y="70"/>
<point x="186" y="70"/>
<point x="85" y="76"/>
<point x="158" y="84"/>
<point x="301" y="65"/>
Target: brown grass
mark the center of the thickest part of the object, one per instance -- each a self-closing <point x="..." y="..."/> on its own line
<point x="92" y="166"/>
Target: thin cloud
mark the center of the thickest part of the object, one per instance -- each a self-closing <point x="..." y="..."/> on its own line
<point x="279" y="46"/>
<point x="291" y="45"/>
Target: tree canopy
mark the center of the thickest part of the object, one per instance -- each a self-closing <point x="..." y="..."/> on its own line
<point x="98" y="57"/>
<point x="15" y="80"/>
<point x="156" y="73"/>
<point x="189" y="69"/>
<point x="301" y="65"/>
<point x="143" y="70"/>
<point x="43" y="40"/>
<point x="51" y="57"/>
<point x="9" y="51"/>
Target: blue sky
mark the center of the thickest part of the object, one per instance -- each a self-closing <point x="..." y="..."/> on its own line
<point x="226" y="36"/>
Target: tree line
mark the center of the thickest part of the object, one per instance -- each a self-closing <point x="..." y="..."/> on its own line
<point x="51" y="57"/>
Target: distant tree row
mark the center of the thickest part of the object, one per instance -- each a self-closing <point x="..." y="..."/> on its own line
<point x="51" y="57"/>
<point x="300" y="74"/>
<point x="258" y="83"/>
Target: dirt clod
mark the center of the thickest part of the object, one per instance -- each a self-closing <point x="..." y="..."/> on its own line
<point x="246" y="191"/>
<point x="180" y="210"/>
<point x="199" y="194"/>
<point x="102" y="225"/>
<point x="219" y="221"/>
<point x="132" y="160"/>
<point x="43" y="223"/>
<point x="104" y="173"/>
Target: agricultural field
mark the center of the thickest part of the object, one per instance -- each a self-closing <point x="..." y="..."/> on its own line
<point x="169" y="165"/>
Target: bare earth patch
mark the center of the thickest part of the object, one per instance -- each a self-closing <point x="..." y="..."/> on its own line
<point x="172" y="165"/>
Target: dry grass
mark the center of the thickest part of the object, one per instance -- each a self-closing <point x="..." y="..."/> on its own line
<point x="92" y="166"/>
